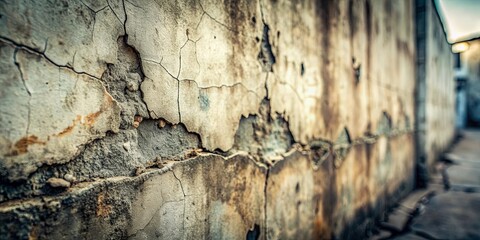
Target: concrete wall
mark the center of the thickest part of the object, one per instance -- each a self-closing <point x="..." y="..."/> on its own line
<point x="435" y="92"/>
<point x="440" y="94"/>
<point x="200" y="119"/>
<point x="470" y="60"/>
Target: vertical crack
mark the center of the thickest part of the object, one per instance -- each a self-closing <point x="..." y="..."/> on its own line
<point x="213" y="19"/>
<point x="266" y="87"/>
<point x="178" y="102"/>
<point x="184" y="196"/>
<point x="45" y="46"/>
<point x="261" y="11"/>
<point x="265" y="202"/>
<point x="26" y="89"/>
<point x="125" y="21"/>
<point x="266" y="56"/>
<point x="178" y="75"/>
<point x="114" y="13"/>
<point x="94" y="16"/>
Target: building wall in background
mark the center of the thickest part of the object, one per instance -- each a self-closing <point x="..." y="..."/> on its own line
<point x="200" y="119"/>
<point x="435" y="90"/>
<point x="470" y="60"/>
<point x="440" y="90"/>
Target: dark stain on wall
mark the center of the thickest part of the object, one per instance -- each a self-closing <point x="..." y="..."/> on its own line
<point x="265" y="56"/>
<point x="326" y="21"/>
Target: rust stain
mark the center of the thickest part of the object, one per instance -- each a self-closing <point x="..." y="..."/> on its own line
<point x="69" y="129"/>
<point x="90" y="118"/>
<point x="108" y="99"/>
<point x="21" y="146"/>
<point x="320" y="229"/>
<point x="66" y="130"/>
<point x="103" y="209"/>
<point x="137" y="120"/>
<point x="33" y="234"/>
<point x="107" y="102"/>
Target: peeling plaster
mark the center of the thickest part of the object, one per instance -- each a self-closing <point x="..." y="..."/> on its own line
<point x="58" y="94"/>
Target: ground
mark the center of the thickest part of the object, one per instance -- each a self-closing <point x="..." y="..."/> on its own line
<point x="450" y="207"/>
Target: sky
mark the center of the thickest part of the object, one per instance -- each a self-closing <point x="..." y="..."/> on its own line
<point x="461" y="18"/>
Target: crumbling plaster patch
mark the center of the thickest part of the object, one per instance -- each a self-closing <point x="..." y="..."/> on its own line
<point x="63" y="111"/>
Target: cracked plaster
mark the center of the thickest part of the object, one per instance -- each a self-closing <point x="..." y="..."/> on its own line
<point x="57" y="122"/>
<point x="207" y="54"/>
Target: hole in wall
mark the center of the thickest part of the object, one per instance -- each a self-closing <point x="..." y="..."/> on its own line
<point x="254" y="233"/>
<point x="266" y="56"/>
<point x="357" y="70"/>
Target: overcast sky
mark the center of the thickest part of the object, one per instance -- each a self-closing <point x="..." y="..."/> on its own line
<point x="462" y="18"/>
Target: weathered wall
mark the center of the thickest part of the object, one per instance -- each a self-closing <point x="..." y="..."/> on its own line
<point x="440" y="94"/>
<point x="200" y="119"/>
<point x="435" y="91"/>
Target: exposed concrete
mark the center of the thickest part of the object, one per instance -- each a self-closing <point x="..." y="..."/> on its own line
<point x="267" y="138"/>
<point x="169" y="142"/>
<point x="55" y="122"/>
<point x="190" y="198"/>
<point x="183" y="206"/>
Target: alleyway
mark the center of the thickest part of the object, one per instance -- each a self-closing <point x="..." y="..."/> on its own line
<point x="450" y="207"/>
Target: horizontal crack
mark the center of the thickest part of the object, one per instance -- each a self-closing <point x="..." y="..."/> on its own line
<point x="34" y="51"/>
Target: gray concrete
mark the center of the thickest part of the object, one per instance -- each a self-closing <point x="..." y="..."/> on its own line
<point x="453" y="213"/>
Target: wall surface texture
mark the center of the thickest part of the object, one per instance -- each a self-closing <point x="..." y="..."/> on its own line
<point x="205" y="119"/>
<point x="440" y="89"/>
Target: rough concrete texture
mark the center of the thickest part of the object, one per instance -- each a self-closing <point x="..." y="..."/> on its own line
<point x="209" y="197"/>
<point x="266" y="137"/>
<point x="200" y="119"/>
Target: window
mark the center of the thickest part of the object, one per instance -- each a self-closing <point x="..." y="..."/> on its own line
<point x="457" y="60"/>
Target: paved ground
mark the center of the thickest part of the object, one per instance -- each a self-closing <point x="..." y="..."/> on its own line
<point x="450" y="207"/>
